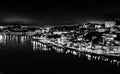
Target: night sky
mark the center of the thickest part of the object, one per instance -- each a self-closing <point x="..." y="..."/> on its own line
<point x="54" y="13"/>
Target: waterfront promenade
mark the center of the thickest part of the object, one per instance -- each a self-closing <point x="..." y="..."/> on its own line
<point x="47" y="43"/>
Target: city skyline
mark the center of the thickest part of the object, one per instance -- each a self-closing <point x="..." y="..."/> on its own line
<point x="59" y="36"/>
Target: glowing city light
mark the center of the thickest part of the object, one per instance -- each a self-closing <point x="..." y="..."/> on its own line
<point x="1" y="38"/>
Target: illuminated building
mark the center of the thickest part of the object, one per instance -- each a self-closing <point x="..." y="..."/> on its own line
<point x="47" y="29"/>
<point x="1" y="27"/>
<point x="60" y="32"/>
<point x="101" y="30"/>
<point x="110" y="24"/>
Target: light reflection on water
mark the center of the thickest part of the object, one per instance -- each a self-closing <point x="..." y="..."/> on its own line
<point x="40" y="46"/>
<point x="4" y="39"/>
<point x="13" y="41"/>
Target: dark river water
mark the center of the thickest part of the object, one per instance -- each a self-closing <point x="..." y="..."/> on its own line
<point x="20" y="54"/>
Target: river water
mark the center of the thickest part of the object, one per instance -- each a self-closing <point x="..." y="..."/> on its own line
<point x="22" y="54"/>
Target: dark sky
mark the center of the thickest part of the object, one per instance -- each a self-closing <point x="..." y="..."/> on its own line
<point x="58" y="12"/>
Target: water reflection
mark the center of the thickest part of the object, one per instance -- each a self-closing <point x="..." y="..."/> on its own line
<point x="2" y="39"/>
<point x="104" y="59"/>
<point x="90" y="57"/>
<point x="13" y="39"/>
<point x="37" y="45"/>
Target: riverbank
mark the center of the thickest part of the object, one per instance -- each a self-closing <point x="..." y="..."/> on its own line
<point x="48" y="43"/>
